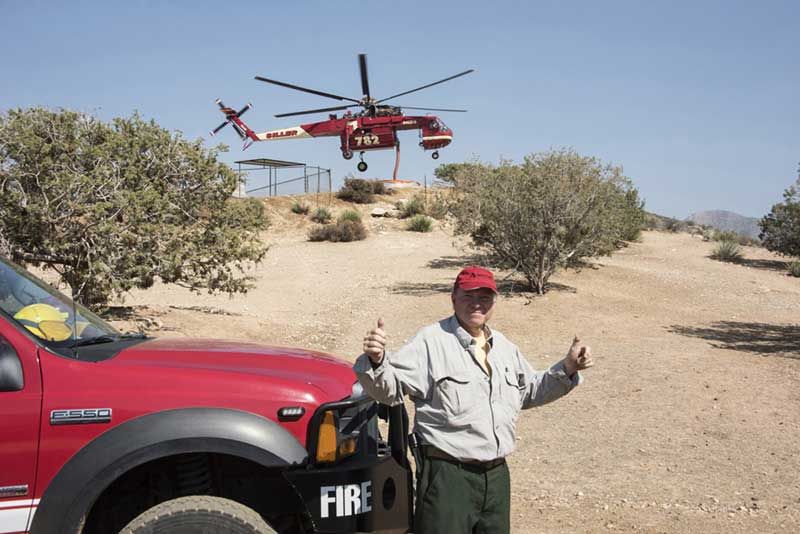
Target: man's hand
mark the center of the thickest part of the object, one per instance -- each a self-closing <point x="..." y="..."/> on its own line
<point x="578" y="358"/>
<point x="375" y="343"/>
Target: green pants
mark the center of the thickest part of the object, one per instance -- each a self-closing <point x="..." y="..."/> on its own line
<point x="456" y="498"/>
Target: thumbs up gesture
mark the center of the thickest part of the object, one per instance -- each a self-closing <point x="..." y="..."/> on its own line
<point x="579" y="357"/>
<point x="375" y="343"/>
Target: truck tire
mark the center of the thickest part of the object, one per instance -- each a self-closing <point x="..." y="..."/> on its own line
<point x="198" y="514"/>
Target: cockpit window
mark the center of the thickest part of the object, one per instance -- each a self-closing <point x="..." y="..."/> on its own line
<point x="45" y="312"/>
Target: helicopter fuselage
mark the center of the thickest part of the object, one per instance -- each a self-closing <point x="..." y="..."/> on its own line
<point x="363" y="133"/>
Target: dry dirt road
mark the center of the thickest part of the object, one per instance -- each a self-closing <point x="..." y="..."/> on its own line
<point x="690" y="421"/>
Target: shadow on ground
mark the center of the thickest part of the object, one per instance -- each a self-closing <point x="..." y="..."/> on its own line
<point x="123" y="313"/>
<point x="781" y="340"/>
<point x="455" y="262"/>
<point x="767" y="265"/>
<point x="506" y="287"/>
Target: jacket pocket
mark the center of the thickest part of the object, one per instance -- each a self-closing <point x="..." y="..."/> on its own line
<point x="512" y="390"/>
<point x="456" y="395"/>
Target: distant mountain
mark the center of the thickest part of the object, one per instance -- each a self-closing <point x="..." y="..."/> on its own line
<point x="727" y="220"/>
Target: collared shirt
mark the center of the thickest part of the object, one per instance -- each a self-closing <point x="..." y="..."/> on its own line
<point x="460" y="408"/>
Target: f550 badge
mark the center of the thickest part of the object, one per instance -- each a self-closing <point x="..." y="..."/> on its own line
<point x="350" y="499"/>
<point x="81" y="416"/>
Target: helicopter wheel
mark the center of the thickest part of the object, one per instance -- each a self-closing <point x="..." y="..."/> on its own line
<point x="362" y="166"/>
<point x="347" y="154"/>
<point x="435" y="154"/>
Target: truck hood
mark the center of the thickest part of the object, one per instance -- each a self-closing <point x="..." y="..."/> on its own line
<point x="331" y="375"/>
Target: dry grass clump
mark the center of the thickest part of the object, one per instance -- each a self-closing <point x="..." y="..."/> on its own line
<point x="300" y="208"/>
<point x="349" y="215"/>
<point x="729" y="251"/>
<point x="322" y="216"/>
<point x="419" y="223"/>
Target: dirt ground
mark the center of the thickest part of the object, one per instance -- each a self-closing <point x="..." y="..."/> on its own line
<point x="690" y="421"/>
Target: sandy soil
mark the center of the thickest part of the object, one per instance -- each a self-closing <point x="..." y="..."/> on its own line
<point x="690" y="422"/>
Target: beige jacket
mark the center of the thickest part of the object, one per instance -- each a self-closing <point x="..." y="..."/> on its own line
<point x="460" y="409"/>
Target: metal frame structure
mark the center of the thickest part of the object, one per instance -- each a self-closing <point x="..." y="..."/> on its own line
<point x="272" y="166"/>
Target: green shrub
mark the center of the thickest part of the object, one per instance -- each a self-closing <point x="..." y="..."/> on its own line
<point x="410" y="208"/>
<point x="341" y="231"/>
<point x="322" y="216"/>
<point x="419" y="223"/>
<point x="794" y="269"/>
<point x="727" y="251"/>
<point x="300" y="208"/>
<point x="358" y="191"/>
<point x="674" y="225"/>
<point x="349" y="215"/>
<point x="554" y="210"/>
<point x="725" y="235"/>
<point x="436" y="205"/>
<point x="379" y="188"/>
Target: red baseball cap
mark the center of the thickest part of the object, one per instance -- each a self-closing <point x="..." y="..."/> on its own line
<point x="474" y="277"/>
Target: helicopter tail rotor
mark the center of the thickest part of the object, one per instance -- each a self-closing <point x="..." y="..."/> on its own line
<point x="232" y="117"/>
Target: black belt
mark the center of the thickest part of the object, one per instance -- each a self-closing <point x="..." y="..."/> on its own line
<point x="432" y="452"/>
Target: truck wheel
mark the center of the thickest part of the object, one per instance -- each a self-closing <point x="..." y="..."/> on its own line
<point x="198" y="514"/>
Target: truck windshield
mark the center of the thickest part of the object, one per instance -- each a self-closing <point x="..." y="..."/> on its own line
<point x="45" y="312"/>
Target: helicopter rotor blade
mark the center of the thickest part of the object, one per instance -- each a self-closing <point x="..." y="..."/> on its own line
<point x="362" y="64"/>
<point x="433" y="109"/>
<point x="426" y="86"/>
<point x="241" y="111"/>
<point x="307" y="112"/>
<point x="305" y="89"/>
<point x="218" y="128"/>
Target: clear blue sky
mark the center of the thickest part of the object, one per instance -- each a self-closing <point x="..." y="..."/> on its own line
<point x="699" y="101"/>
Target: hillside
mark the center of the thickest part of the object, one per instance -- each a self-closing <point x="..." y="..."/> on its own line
<point x="727" y="220"/>
<point x="690" y="421"/>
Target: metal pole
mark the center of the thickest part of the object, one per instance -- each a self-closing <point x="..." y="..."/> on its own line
<point x="240" y="180"/>
<point x="396" y="160"/>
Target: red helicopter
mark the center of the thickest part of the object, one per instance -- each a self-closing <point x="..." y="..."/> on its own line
<point x="374" y="127"/>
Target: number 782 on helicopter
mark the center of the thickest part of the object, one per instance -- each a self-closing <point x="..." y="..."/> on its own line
<point x="374" y="127"/>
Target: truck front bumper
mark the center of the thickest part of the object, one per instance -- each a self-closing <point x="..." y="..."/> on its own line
<point x="372" y="495"/>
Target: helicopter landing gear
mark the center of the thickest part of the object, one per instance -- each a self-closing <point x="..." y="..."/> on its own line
<point x="362" y="165"/>
<point x="435" y="154"/>
<point x="347" y="154"/>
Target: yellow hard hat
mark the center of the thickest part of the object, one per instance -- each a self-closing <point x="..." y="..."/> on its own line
<point x="45" y="321"/>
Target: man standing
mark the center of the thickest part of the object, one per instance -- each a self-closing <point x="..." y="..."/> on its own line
<point x="468" y="384"/>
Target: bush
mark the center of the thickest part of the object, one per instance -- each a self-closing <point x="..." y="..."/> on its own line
<point x="727" y="251"/>
<point x="553" y="210"/>
<point x="412" y="207"/>
<point x="379" y="188"/>
<point x="119" y="205"/>
<point x="360" y="191"/>
<point x="437" y="205"/>
<point x="341" y="231"/>
<point x="725" y="235"/>
<point x="780" y="228"/>
<point x="419" y="223"/>
<point x="300" y="208"/>
<point x="794" y="269"/>
<point x="675" y="225"/>
<point x="322" y="216"/>
<point x="349" y="215"/>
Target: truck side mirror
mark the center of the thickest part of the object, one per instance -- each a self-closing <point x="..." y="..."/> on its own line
<point x="11" y="378"/>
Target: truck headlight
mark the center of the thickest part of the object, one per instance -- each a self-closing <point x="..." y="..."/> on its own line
<point x="331" y="446"/>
